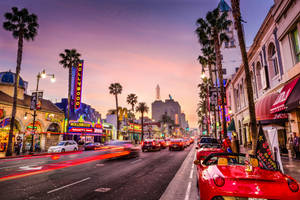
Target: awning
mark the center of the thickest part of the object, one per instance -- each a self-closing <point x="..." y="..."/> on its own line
<point x="231" y="126"/>
<point x="263" y="106"/>
<point x="293" y="101"/>
<point x="279" y="103"/>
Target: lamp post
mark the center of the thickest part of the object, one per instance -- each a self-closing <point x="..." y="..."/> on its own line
<point x="39" y="76"/>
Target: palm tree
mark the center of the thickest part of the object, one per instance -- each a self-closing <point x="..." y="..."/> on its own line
<point x="142" y="108"/>
<point x="207" y="59"/>
<point x="238" y="26"/>
<point x="166" y="119"/>
<point x="115" y="89"/>
<point x="23" y="26"/>
<point x="69" y="59"/>
<point x="211" y="30"/>
<point x="132" y="100"/>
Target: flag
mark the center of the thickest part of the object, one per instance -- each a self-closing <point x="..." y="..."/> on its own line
<point x="264" y="153"/>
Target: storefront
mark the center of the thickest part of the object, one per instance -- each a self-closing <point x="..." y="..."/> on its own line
<point x="84" y="132"/>
<point x="4" y="133"/>
<point x="135" y="131"/>
<point x="109" y="131"/>
<point x="267" y="119"/>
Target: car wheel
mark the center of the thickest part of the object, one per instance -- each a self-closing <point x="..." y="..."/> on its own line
<point x="143" y="150"/>
<point x="170" y="149"/>
<point x="159" y="149"/>
<point x="75" y="149"/>
<point x="63" y="150"/>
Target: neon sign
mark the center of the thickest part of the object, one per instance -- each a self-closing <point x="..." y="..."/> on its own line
<point x="78" y="85"/>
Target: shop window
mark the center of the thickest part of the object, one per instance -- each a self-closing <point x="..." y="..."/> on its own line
<point x="273" y="63"/>
<point x="295" y="42"/>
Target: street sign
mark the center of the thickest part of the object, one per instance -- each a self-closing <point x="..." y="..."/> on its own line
<point x="36" y="100"/>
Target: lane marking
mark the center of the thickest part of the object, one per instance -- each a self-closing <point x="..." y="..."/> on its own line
<point x="30" y="168"/>
<point x="21" y="165"/>
<point x="68" y="185"/>
<point x="191" y="174"/>
<point x="100" y="165"/>
<point x="187" y="194"/>
<point x="102" y="190"/>
<point x="136" y="161"/>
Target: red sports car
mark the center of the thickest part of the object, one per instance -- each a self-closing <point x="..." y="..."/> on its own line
<point x="229" y="176"/>
<point x="206" y="150"/>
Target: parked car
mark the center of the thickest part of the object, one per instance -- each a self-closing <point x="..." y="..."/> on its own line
<point x="233" y="176"/>
<point x="176" y="144"/>
<point x="163" y="143"/>
<point x="62" y="146"/>
<point x="121" y="146"/>
<point x="151" y="145"/>
<point x="207" y="149"/>
<point x="93" y="146"/>
<point x="207" y="140"/>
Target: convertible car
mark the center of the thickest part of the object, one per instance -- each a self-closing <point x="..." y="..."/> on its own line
<point x="207" y="149"/>
<point x="230" y="176"/>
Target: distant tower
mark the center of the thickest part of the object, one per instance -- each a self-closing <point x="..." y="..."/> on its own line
<point x="157" y="92"/>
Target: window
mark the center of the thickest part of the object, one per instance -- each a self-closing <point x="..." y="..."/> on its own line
<point x="272" y="60"/>
<point x="232" y="43"/>
<point x="226" y="44"/>
<point x="295" y="41"/>
<point x="258" y="76"/>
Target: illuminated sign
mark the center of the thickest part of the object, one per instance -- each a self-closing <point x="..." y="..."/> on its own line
<point x="2" y="113"/>
<point x="81" y="130"/>
<point x="81" y="124"/>
<point x="135" y="127"/>
<point x="122" y="112"/>
<point x="78" y="85"/>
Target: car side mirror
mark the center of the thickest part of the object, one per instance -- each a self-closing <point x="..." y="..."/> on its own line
<point x="197" y="162"/>
<point x="197" y="147"/>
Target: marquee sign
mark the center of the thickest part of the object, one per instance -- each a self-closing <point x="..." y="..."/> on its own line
<point x="80" y="124"/>
<point x="78" y="85"/>
<point x="135" y="128"/>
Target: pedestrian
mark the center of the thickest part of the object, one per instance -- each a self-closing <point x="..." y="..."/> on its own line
<point x="227" y="144"/>
<point x="296" y="145"/>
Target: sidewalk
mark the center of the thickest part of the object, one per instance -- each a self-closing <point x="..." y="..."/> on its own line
<point x="183" y="185"/>
<point x="290" y="167"/>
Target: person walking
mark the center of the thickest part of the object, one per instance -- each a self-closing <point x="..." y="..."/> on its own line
<point x="227" y="144"/>
<point x="296" y="145"/>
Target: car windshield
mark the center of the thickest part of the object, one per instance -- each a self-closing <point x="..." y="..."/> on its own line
<point x="208" y="140"/>
<point x="61" y="143"/>
<point x="89" y="143"/>
<point x="176" y="140"/>
<point x="211" y="145"/>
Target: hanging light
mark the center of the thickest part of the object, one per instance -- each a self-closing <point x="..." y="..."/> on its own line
<point x="53" y="79"/>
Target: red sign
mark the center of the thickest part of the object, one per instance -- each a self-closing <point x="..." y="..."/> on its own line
<point x="279" y="103"/>
<point x="81" y="130"/>
<point x="78" y="85"/>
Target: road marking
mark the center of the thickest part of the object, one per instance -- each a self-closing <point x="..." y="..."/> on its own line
<point x="20" y="165"/>
<point x="102" y="190"/>
<point x="191" y="174"/>
<point x="135" y="161"/>
<point x="187" y="194"/>
<point x="30" y="168"/>
<point x="68" y="185"/>
<point x="100" y="165"/>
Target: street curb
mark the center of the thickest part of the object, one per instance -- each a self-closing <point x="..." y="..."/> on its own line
<point x="178" y="183"/>
<point x="41" y="154"/>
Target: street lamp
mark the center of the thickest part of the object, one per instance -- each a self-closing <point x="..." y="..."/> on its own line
<point x="40" y="75"/>
<point x="203" y="73"/>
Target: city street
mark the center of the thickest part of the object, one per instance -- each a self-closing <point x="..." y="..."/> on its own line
<point x="144" y="177"/>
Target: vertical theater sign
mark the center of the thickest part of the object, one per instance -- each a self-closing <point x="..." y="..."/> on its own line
<point x="78" y="85"/>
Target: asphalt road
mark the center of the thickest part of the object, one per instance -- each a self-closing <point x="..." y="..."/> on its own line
<point x="145" y="177"/>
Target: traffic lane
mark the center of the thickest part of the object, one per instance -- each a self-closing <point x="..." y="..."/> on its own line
<point x="101" y="174"/>
<point x="146" y="179"/>
<point x="16" y="166"/>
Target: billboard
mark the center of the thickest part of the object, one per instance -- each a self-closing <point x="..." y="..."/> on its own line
<point x="78" y="85"/>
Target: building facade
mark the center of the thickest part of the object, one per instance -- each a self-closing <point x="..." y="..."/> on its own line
<point x="275" y="71"/>
<point x="49" y="119"/>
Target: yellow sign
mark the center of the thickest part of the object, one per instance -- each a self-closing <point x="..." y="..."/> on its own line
<point x="122" y="113"/>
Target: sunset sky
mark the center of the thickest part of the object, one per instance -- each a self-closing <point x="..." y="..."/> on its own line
<point x="138" y="43"/>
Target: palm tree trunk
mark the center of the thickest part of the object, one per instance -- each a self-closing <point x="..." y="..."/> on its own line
<point x="210" y="75"/>
<point x="69" y="97"/>
<point x="238" y="27"/>
<point x="220" y="73"/>
<point x="117" y="109"/>
<point x="142" y="126"/>
<point x="14" y="108"/>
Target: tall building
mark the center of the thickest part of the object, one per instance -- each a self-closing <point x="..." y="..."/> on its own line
<point x="230" y="50"/>
<point x="171" y="108"/>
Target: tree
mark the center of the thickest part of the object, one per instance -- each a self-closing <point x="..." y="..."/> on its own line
<point x="115" y="89"/>
<point x="132" y="100"/>
<point x="69" y="59"/>
<point x="212" y="31"/>
<point x="166" y="119"/>
<point x="23" y="26"/>
<point x="202" y="108"/>
<point x="142" y="108"/>
<point x="238" y="26"/>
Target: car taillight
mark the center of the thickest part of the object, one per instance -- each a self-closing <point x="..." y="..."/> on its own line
<point x="219" y="181"/>
<point x="180" y="143"/>
<point x="142" y="143"/>
<point x="153" y="143"/>
<point x="293" y="185"/>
